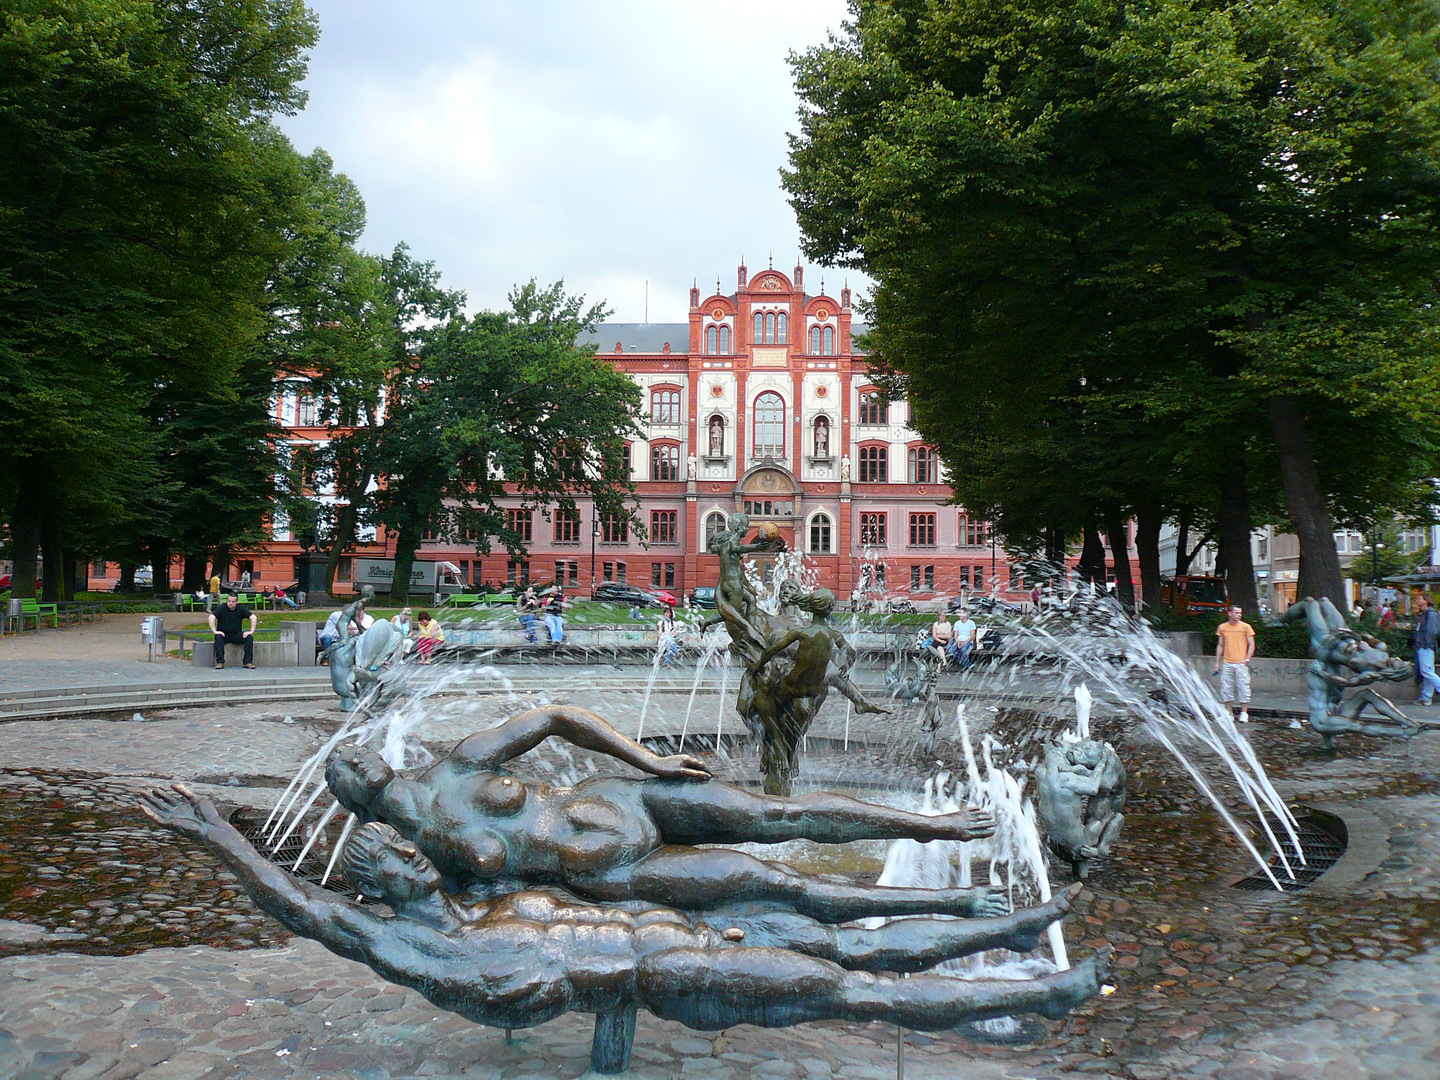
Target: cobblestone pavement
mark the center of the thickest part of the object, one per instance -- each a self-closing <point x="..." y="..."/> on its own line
<point x="131" y="954"/>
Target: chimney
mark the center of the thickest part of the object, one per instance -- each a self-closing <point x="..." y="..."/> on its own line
<point x="800" y="278"/>
<point x="742" y="272"/>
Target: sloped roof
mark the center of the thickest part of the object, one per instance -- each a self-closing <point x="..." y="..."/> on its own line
<point x="639" y="337"/>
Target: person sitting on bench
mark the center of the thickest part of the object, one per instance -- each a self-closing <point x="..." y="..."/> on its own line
<point x="227" y="622"/>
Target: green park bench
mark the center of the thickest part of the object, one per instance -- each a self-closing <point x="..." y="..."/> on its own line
<point x="464" y="599"/>
<point x="500" y="599"/>
<point x="32" y="607"/>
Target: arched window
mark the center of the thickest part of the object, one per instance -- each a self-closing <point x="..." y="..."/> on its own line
<point x="874" y="464"/>
<point x="815" y="341"/>
<point x="724" y="341"/>
<point x="714" y="523"/>
<point x="820" y="534"/>
<point x="782" y="328"/>
<point x="664" y="461"/>
<point x="665" y="406"/>
<point x="829" y="341"/>
<point x="769" y="425"/>
<point x="759" y="335"/>
<point x="923" y="465"/>
<point x="874" y="410"/>
<point x="769" y="328"/>
<point x="712" y="335"/>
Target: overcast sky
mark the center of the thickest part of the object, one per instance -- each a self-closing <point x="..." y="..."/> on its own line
<point x="602" y="143"/>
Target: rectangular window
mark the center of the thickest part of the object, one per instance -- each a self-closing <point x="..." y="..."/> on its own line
<point x="972" y="531"/>
<point x="342" y="569"/>
<point x="620" y="572"/>
<point x="874" y="410"/>
<point x="307" y="411"/>
<point x="567" y="574"/>
<point x="665" y="462"/>
<point x="874" y="464"/>
<point x="519" y="522"/>
<point x="923" y="465"/>
<point x="608" y="571"/>
<point x="615" y="529"/>
<point x="655" y="575"/>
<point x="665" y="407"/>
<point x="872" y="529"/>
<point x="567" y="526"/>
<point x="669" y="575"/>
<point x="964" y="577"/>
<point x="97" y="568"/>
<point x="915" y="578"/>
<point x="1015" y="580"/>
<point x="465" y="570"/>
<point x="663" y="526"/>
<point x="979" y="577"/>
<point x="922" y="578"/>
<point x="929" y="578"/>
<point x="517" y="573"/>
<point x="922" y="530"/>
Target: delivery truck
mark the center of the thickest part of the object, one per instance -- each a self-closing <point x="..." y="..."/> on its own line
<point x="426" y="578"/>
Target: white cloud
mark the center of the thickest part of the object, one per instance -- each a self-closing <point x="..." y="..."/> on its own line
<point x="606" y="144"/>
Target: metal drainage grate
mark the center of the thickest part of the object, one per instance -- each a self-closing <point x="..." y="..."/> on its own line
<point x="1322" y="851"/>
<point x="252" y="828"/>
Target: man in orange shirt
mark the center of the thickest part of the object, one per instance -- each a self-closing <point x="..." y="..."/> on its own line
<point x="1233" y="650"/>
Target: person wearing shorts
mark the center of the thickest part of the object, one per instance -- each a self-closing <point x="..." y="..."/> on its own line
<point x="1235" y="645"/>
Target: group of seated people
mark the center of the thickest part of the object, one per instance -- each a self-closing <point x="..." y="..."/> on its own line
<point x="422" y="633"/>
<point x="956" y="643"/>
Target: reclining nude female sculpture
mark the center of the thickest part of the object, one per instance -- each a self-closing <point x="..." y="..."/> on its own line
<point x="530" y="956"/>
<point x="612" y="838"/>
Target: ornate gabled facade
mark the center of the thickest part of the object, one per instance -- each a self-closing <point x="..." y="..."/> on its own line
<point x="758" y="403"/>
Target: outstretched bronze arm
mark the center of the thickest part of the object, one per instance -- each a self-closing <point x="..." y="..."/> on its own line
<point x="524" y="731"/>
<point x="346" y="929"/>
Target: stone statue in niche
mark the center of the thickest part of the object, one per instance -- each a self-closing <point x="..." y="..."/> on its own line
<point x="690" y="467"/>
<point x="717" y="437"/>
<point x="822" y="437"/>
<point x="845" y="468"/>
<point x="530" y="956"/>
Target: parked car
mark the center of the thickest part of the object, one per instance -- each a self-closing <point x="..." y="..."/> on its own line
<point x="991" y="605"/>
<point x="614" y="592"/>
<point x="7" y="579"/>
<point x="703" y="597"/>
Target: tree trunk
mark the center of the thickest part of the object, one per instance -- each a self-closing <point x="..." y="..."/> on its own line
<point x="343" y="541"/>
<point x="1092" y="557"/>
<point x="1305" y="501"/>
<point x="193" y="576"/>
<point x="1235" y="529"/>
<point x="1182" y="539"/>
<point x="1120" y="554"/>
<point x="52" y="550"/>
<point x="406" y="544"/>
<point x="1148" y="519"/>
<point x="1055" y="548"/>
<point x="159" y="567"/>
<point x="127" y="578"/>
<point x="222" y="561"/>
<point x="25" y="518"/>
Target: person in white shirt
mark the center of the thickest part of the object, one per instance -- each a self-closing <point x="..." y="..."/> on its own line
<point x="964" y="640"/>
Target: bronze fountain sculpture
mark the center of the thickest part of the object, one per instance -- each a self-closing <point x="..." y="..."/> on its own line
<point x="780" y="692"/>
<point x="531" y="955"/>
<point x="1344" y="658"/>
<point x="1080" y="799"/>
<point x="516" y="901"/>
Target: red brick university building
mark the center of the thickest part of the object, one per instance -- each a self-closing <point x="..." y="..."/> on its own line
<point x="758" y="402"/>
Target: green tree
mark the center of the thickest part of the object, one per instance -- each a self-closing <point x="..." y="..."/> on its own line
<point x="137" y="225"/>
<point x="500" y="406"/>
<point x="1243" y="191"/>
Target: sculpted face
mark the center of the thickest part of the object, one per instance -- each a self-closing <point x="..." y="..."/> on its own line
<point x="356" y="777"/>
<point x="387" y="867"/>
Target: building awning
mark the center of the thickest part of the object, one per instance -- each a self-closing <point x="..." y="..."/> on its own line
<point x="1425" y="575"/>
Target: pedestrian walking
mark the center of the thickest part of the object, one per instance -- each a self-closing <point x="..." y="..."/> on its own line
<point x="1422" y="638"/>
<point x="1234" y="648"/>
<point x="555" y="616"/>
<point x="1387" y="616"/>
<point x="430" y="635"/>
<point x="227" y="623"/>
<point x="529" y="607"/>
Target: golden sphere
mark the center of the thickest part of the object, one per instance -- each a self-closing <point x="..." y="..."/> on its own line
<point x="769" y="531"/>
